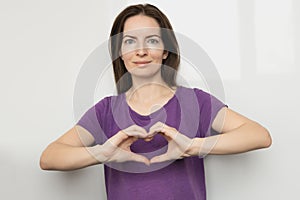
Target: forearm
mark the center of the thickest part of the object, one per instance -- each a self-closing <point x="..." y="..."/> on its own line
<point x="249" y="136"/>
<point x="64" y="157"/>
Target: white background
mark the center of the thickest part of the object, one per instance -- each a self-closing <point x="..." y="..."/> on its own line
<point x="255" y="46"/>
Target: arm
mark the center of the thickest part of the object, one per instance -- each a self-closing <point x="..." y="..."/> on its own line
<point x="73" y="151"/>
<point x="69" y="152"/>
<point x="238" y="134"/>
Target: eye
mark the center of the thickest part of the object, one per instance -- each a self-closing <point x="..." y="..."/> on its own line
<point x="153" y="41"/>
<point x="129" y="41"/>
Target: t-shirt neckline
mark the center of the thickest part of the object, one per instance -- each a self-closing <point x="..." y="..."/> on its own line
<point x="155" y="112"/>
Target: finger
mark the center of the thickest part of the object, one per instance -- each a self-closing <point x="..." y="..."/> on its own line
<point x="170" y="133"/>
<point x="160" y="127"/>
<point x="122" y="135"/>
<point x="165" y="136"/>
<point x="183" y="142"/>
<point x="140" y="129"/>
<point x="137" y="134"/>
<point x="128" y="142"/>
<point x="138" y="158"/>
<point x="160" y="158"/>
<point x="148" y="139"/>
<point x="136" y="131"/>
<point x="118" y="138"/>
<point x="156" y="128"/>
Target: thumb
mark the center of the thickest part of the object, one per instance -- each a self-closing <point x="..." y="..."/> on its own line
<point x="160" y="158"/>
<point x="138" y="158"/>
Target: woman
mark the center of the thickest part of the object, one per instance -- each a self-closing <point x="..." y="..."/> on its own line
<point x="153" y="135"/>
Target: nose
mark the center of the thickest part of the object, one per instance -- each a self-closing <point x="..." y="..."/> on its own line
<point x="141" y="51"/>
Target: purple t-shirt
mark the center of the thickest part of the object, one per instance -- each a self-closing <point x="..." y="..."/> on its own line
<point x="190" y="111"/>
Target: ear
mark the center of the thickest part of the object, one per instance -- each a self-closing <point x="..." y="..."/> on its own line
<point x="165" y="54"/>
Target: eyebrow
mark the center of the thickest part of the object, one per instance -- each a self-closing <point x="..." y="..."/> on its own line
<point x="130" y="36"/>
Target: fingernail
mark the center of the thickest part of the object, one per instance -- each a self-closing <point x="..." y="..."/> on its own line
<point x="148" y="139"/>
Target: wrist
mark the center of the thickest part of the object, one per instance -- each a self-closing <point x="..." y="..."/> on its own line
<point x="97" y="153"/>
<point x="195" y="147"/>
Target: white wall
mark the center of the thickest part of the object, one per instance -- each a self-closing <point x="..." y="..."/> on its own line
<point x="255" y="46"/>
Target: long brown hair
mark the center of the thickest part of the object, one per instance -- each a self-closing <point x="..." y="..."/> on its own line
<point x="169" y="65"/>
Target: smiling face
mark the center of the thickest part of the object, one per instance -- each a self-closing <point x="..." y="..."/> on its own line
<point x="142" y="49"/>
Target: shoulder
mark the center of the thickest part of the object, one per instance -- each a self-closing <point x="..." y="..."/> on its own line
<point x="107" y="102"/>
<point x="104" y="101"/>
<point x="204" y="98"/>
<point x="185" y="88"/>
<point x="200" y="94"/>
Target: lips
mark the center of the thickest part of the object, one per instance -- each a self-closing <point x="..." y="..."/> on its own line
<point x="141" y="63"/>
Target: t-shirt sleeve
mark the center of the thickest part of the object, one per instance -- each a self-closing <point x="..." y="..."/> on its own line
<point x="209" y="107"/>
<point x="93" y="120"/>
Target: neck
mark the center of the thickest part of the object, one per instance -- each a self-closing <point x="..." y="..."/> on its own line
<point x="148" y="88"/>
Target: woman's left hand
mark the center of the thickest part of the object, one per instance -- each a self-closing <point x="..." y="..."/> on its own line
<point x="179" y="145"/>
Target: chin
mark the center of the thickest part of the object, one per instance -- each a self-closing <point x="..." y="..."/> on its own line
<point x="145" y="69"/>
<point x="145" y="72"/>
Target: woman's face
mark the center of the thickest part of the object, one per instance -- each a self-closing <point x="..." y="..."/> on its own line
<point x="142" y="48"/>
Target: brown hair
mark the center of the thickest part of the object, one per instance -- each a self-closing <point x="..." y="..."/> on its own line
<point x="169" y="65"/>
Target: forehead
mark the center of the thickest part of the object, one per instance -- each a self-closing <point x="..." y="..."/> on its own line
<point x="141" y="25"/>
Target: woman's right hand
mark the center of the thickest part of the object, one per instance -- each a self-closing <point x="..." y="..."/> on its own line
<point x="117" y="148"/>
<point x="74" y="150"/>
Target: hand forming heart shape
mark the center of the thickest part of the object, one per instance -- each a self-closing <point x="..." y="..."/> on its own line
<point x="117" y="148"/>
